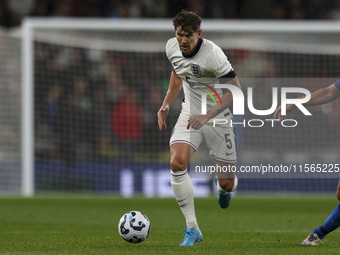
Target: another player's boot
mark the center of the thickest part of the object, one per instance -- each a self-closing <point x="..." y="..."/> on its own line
<point x="223" y="199"/>
<point x="312" y="239"/>
<point x="192" y="236"/>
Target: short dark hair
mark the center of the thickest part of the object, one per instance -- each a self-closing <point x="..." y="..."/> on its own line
<point x="189" y="21"/>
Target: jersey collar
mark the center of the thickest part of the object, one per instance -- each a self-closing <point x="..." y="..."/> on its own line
<point x="200" y="40"/>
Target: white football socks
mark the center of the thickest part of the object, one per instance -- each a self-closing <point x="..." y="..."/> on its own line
<point x="235" y="184"/>
<point x="222" y="191"/>
<point x="184" y="193"/>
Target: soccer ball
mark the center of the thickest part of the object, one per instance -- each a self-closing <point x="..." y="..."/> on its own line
<point x="134" y="227"/>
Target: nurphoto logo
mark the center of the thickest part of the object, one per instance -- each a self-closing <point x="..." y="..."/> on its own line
<point x="238" y="105"/>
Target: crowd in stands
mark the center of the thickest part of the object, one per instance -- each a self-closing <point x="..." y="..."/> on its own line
<point x="107" y="110"/>
<point x="13" y="11"/>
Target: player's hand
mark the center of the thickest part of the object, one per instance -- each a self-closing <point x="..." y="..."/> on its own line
<point x="162" y="113"/>
<point x="289" y="108"/>
<point x="277" y="114"/>
<point x="197" y="121"/>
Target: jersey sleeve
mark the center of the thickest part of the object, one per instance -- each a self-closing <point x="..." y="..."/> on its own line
<point x="337" y="84"/>
<point x="219" y="63"/>
<point x="170" y="47"/>
<point x="167" y="49"/>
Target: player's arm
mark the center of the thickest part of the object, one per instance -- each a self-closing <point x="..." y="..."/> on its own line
<point x="321" y="96"/>
<point x="227" y="100"/>
<point x="175" y="86"/>
<point x="197" y="121"/>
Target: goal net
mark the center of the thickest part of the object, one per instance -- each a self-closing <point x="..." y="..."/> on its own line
<point x="92" y="89"/>
<point x="10" y="117"/>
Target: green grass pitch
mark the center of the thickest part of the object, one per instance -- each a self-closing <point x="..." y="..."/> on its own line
<point x="88" y="225"/>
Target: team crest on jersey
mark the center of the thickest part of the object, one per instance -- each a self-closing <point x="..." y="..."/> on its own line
<point x="195" y="69"/>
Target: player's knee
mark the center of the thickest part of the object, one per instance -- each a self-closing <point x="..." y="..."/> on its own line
<point x="178" y="164"/>
<point x="338" y="191"/>
<point x="338" y="194"/>
<point x="226" y="184"/>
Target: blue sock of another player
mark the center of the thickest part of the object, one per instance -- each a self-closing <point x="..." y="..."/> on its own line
<point x="332" y="223"/>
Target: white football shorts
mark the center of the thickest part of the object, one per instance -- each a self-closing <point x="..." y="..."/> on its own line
<point x="220" y="139"/>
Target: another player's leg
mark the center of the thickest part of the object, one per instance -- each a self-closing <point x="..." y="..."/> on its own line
<point x="331" y="224"/>
<point x="226" y="183"/>
<point x="183" y="190"/>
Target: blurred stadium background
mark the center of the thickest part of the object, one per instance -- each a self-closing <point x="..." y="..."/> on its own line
<point x="98" y="84"/>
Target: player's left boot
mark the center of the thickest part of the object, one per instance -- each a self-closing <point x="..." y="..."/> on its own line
<point x="223" y="199"/>
<point x="192" y="236"/>
<point x="312" y="239"/>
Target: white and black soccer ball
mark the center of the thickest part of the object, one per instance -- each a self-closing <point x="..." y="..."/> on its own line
<point x="134" y="227"/>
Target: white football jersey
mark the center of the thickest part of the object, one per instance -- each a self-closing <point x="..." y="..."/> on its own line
<point x="199" y="73"/>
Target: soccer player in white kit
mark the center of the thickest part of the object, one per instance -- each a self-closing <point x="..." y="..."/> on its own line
<point x="197" y="65"/>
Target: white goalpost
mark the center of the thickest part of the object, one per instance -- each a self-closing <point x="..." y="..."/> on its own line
<point x="27" y="119"/>
<point x="120" y="54"/>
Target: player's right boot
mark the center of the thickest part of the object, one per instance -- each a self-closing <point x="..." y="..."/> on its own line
<point x="192" y="236"/>
<point x="312" y="239"/>
<point x="223" y="199"/>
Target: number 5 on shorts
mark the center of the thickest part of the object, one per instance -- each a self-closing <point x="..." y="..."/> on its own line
<point x="228" y="141"/>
